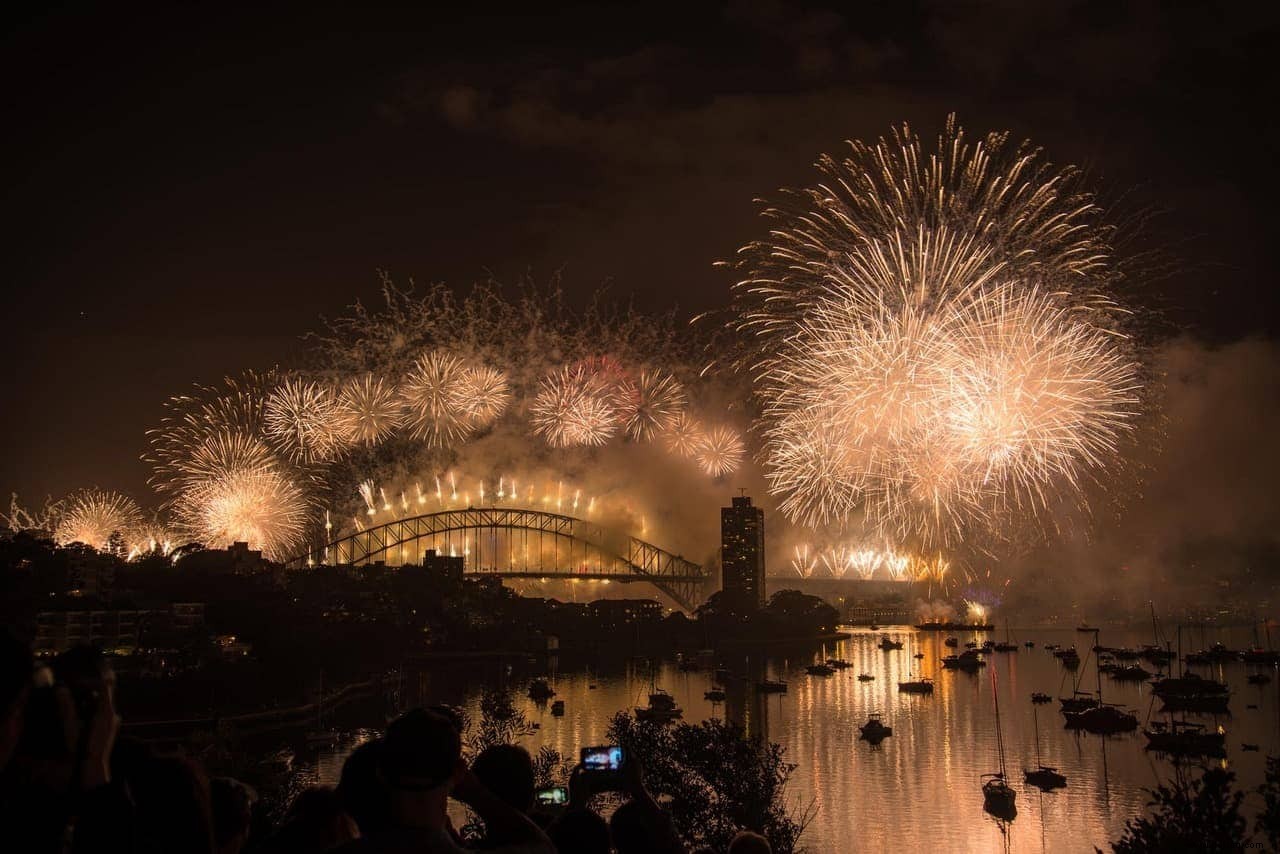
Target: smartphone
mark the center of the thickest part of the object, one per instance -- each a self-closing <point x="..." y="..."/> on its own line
<point x="552" y="796"/>
<point x="607" y="758"/>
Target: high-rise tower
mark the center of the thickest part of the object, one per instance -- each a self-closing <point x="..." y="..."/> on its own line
<point x="742" y="552"/>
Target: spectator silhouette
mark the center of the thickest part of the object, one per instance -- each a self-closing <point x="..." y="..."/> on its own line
<point x="231" y="805"/>
<point x="316" y="822"/>
<point x="747" y="842"/>
<point x="420" y="765"/>
<point x="507" y="771"/>
<point x="579" y="830"/>
<point x="362" y="795"/>
<point x="173" y="812"/>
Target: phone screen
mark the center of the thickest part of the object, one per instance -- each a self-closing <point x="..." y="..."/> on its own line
<point x="552" y="797"/>
<point x="602" y="758"/>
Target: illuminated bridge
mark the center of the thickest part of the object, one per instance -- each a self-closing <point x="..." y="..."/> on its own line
<point x="512" y="543"/>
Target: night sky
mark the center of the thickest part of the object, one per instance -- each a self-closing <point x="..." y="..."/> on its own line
<point x="189" y="189"/>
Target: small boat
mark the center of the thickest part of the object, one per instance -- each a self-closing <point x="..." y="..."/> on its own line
<point x="1007" y="645"/>
<point x="1103" y="719"/>
<point x="1046" y="778"/>
<point x="1078" y="702"/>
<point x="771" y="686"/>
<point x="540" y="690"/>
<point x="1030" y="644"/>
<point x="968" y="661"/>
<point x="1085" y="627"/>
<point x="1132" y="673"/>
<point x="715" y="695"/>
<point x="923" y="685"/>
<point x="1040" y="699"/>
<point x="866" y="677"/>
<point x="1250" y="747"/>
<point x="971" y="645"/>
<point x="874" y="729"/>
<point x="662" y="708"/>
<point x="1053" y="647"/>
<point x="1182" y="738"/>
<point x="887" y="644"/>
<point x="1258" y="679"/>
<point x="557" y="708"/>
<point x="1251" y="705"/>
<point x="874" y="627"/>
<point x="838" y="663"/>
<point x="952" y="642"/>
<point x="1208" y="704"/>
<point x="998" y="797"/>
<point x="820" y="670"/>
<point x="918" y="656"/>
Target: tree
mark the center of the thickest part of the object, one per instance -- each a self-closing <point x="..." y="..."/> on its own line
<point x="500" y="722"/>
<point x="1268" y="821"/>
<point x="1198" y="814"/>
<point x="796" y="611"/>
<point x="719" y="780"/>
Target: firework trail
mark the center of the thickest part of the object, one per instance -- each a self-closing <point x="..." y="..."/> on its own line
<point x="941" y="353"/>
<point x="94" y="517"/>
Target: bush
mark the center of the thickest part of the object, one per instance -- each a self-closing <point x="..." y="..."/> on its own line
<point x="718" y="780"/>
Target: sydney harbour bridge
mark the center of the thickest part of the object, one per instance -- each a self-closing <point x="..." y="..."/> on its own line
<point x="516" y="543"/>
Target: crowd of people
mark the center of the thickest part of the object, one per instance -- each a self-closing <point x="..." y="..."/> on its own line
<point x="70" y="783"/>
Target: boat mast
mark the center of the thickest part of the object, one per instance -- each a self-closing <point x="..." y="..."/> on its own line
<point x="995" y="695"/>
<point x="1096" y="669"/>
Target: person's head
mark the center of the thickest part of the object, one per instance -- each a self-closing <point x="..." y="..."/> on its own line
<point x="231" y="805"/>
<point x="580" y="831"/>
<point x="632" y="830"/>
<point x="316" y="822"/>
<point x="419" y="761"/>
<point x="172" y="798"/>
<point x="15" y="683"/>
<point x="747" y="842"/>
<point x="361" y="793"/>
<point x="507" y="771"/>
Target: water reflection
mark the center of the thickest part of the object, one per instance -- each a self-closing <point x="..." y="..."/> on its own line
<point x="920" y="787"/>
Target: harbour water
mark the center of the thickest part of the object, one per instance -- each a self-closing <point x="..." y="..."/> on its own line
<point x="920" y="788"/>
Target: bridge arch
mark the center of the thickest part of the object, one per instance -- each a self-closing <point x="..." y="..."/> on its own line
<point x="518" y="543"/>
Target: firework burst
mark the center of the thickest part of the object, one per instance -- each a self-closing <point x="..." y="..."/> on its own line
<point x="941" y="356"/>
<point x="368" y="409"/>
<point x="435" y="400"/>
<point x="301" y="418"/>
<point x="94" y="517"/>
<point x="576" y="406"/>
<point x="720" y="451"/>
<point x="659" y="401"/>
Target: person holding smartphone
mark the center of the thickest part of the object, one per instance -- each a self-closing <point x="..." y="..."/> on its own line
<point x="640" y="825"/>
